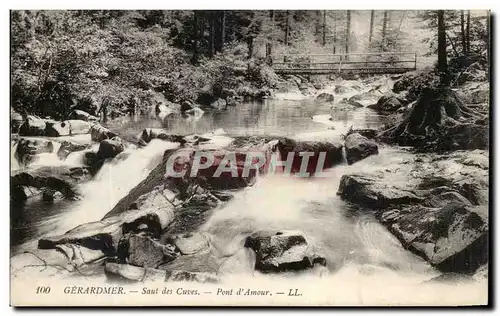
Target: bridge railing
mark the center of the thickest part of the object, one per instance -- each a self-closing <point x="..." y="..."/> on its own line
<point x="346" y="62"/>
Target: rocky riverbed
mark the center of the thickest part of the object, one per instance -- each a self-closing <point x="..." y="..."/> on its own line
<point x="206" y="229"/>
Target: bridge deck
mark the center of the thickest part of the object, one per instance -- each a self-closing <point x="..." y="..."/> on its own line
<point x="354" y="63"/>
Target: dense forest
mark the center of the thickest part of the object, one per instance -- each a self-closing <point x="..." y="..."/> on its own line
<point x="109" y="63"/>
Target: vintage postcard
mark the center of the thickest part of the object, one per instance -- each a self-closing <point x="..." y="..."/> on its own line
<point x="249" y="157"/>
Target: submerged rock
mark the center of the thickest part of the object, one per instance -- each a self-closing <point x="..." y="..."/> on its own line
<point x="282" y="251"/>
<point x="358" y="147"/>
<point x="325" y="97"/>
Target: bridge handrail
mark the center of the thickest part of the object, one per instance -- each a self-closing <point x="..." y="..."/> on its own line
<point x="348" y="54"/>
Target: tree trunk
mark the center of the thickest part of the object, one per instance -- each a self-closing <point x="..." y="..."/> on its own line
<point x="442" y="63"/>
<point x="195" y="37"/>
<point x="467" y="32"/>
<point x="317" y="24"/>
<point x="211" y="37"/>
<point x="250" y="46"/>
<point x="222" y="37"/>
<point x="347" y="32"/>
<point x="384" y="30"/>
<point x="462" y="32"/>
<point x="334" y="31"/>
<point x="269" y="44"/>
<point x="287" y="26"/>
<point x="372" y="19"/>
<point x="324" y="27"/>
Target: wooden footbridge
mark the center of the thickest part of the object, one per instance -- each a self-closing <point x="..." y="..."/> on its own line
<point x="353" y="63"/>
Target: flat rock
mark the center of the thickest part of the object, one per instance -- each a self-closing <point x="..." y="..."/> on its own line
<point x="105" y="234"/>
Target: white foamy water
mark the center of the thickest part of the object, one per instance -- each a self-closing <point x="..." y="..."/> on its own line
<point x="115" y="179"/>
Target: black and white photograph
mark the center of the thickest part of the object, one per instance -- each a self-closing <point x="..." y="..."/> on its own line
<point x="250" y="157"/>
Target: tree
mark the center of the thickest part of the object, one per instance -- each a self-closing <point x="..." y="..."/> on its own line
<point x="196" y="34"/>
<point x="462" y="32"/>
<point x="468" y="32"/>
<point x="372" y="18"/>
<point x="347" y="32"/>
<point x="442" y="60"/>
<point x="287" y="26"/>
<point x="384" y="30"/>
<point x="324" y="27"/>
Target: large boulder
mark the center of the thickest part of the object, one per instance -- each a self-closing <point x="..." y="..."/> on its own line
<point x="143" y="251"/>
<point x="79" y="127"/>
<point x="105" y="235"/>
<point x="369" y="191"/>
<point x="452" y="238"/>
<point x="82" y="115"/>
<point x="332" y="152"/>
<point x="99" y="133"/>
<point x="27" y="149"/>
<point x="187" y="105"/>
<point x="325" y="97"/>
<point x="282" y="251"/>
<point x="32" y="126"/>
<point x="67" y="147"/>
<point x="56" y="129"/>
<point x="109" y="148"/>
<point x="388" y="103"/>
<point x="19" y="194"/>
<point x="61" y="178"/>
<point x="358" y="147"/>
<point x="219" y="104"/>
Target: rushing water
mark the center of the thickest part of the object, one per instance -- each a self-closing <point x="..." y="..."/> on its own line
<point x="357" y="248"/>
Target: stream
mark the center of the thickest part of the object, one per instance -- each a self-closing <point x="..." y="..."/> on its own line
<point x="360" y="253"/>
